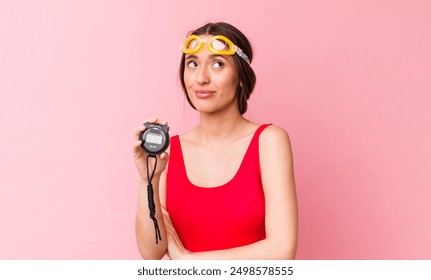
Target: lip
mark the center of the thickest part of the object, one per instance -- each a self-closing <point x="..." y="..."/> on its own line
<point x="204" y="93"/>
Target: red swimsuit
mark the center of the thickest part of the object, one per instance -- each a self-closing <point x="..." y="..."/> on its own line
<point x="223" y="217"/>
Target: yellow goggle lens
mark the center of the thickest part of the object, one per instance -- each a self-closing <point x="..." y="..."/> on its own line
<point x="221" y="45"/>
<point x="193" y="44"/>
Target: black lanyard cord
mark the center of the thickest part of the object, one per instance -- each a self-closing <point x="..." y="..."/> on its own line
<point x="151" y="204"/>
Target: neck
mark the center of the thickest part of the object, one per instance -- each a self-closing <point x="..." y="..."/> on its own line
<point x="219" y="127"/>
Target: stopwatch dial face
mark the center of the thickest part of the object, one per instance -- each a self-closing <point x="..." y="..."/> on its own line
<point x="154" y="138"/>
<point x="154" y="141"/>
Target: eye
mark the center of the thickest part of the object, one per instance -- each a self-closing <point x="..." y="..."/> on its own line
<point x="191" y="64"/>
<point x="218" y="64"/>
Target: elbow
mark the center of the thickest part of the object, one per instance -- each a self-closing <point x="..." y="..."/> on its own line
<point x="283" y="250"/>
<point x="151" y="257"/>
<point x="148" y="254"/>
<point x="147" y="248"/>
<point x="150" y="250"/>
<point x="290" y="254"/>
<point x="289" y="249"/>
<point x="287" y="253"/>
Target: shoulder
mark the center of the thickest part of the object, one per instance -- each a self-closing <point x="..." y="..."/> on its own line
<point x="274" y="146"/>
<point x="273" y="136"/>
<point x="276" y="160"/>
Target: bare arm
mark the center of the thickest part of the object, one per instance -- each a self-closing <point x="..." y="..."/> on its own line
<point x="145" y="230"/>
<point x="280" y="207"/>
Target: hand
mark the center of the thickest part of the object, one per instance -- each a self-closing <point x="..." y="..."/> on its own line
<point x="176" y="249"/>
<point x="140" y="156"/>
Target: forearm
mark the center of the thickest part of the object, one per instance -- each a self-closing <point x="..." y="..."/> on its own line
<point x="145" y="229"/>
<point x="261" y="250"/>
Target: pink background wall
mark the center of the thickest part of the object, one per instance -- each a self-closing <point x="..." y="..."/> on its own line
<point x="349" y="80"/>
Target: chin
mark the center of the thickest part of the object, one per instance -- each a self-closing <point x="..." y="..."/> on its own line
<point x="212" y="107"/>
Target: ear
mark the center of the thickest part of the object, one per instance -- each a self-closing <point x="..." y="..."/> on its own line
<point x="239" y="88"/>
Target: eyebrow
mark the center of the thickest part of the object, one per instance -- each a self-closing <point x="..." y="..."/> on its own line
<point x="217" y="55"/>
<point x="212" y="56"/>
<point x="191" y="56"/>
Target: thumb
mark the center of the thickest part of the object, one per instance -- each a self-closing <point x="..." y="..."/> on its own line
<point x="164" y="157"/>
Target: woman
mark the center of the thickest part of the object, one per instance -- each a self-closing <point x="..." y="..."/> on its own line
<point x="225" y="189"/>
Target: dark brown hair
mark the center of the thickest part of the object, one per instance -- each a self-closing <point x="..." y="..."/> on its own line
<point x="246" y="75"/>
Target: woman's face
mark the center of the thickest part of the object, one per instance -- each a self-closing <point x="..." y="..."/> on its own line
<point x="211" y="80"/>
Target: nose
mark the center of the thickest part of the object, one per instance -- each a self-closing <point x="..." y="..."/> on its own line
<point x="203" y="76"/>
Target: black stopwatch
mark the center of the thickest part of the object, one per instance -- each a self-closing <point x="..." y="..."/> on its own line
<point x="155" y="139"/>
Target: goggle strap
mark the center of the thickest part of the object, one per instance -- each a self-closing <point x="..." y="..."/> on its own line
<point x="240" y="53"/>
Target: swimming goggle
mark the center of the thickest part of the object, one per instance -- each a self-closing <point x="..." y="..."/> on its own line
<point x="218" y="44"/>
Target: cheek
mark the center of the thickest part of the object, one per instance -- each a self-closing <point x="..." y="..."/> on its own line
<point x="188" y="81"/>
<point x="229" y="82"/>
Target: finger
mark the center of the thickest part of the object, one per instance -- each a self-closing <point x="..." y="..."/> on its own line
<point x="152" y="120"/>
<point x="169" y="229"/>
<point x="137" y="150"/>
<point x="156" y="120"/>
<point x="138" y="130"/>
<point x="164" y="156"/>
<point x="167" y="219"/>
<point x="168" y="223"/>
<point x="142" y="127"/>
<point x="164" y="211"/>
<point x="137" y="144"/>
<point x="163" y="122"/>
